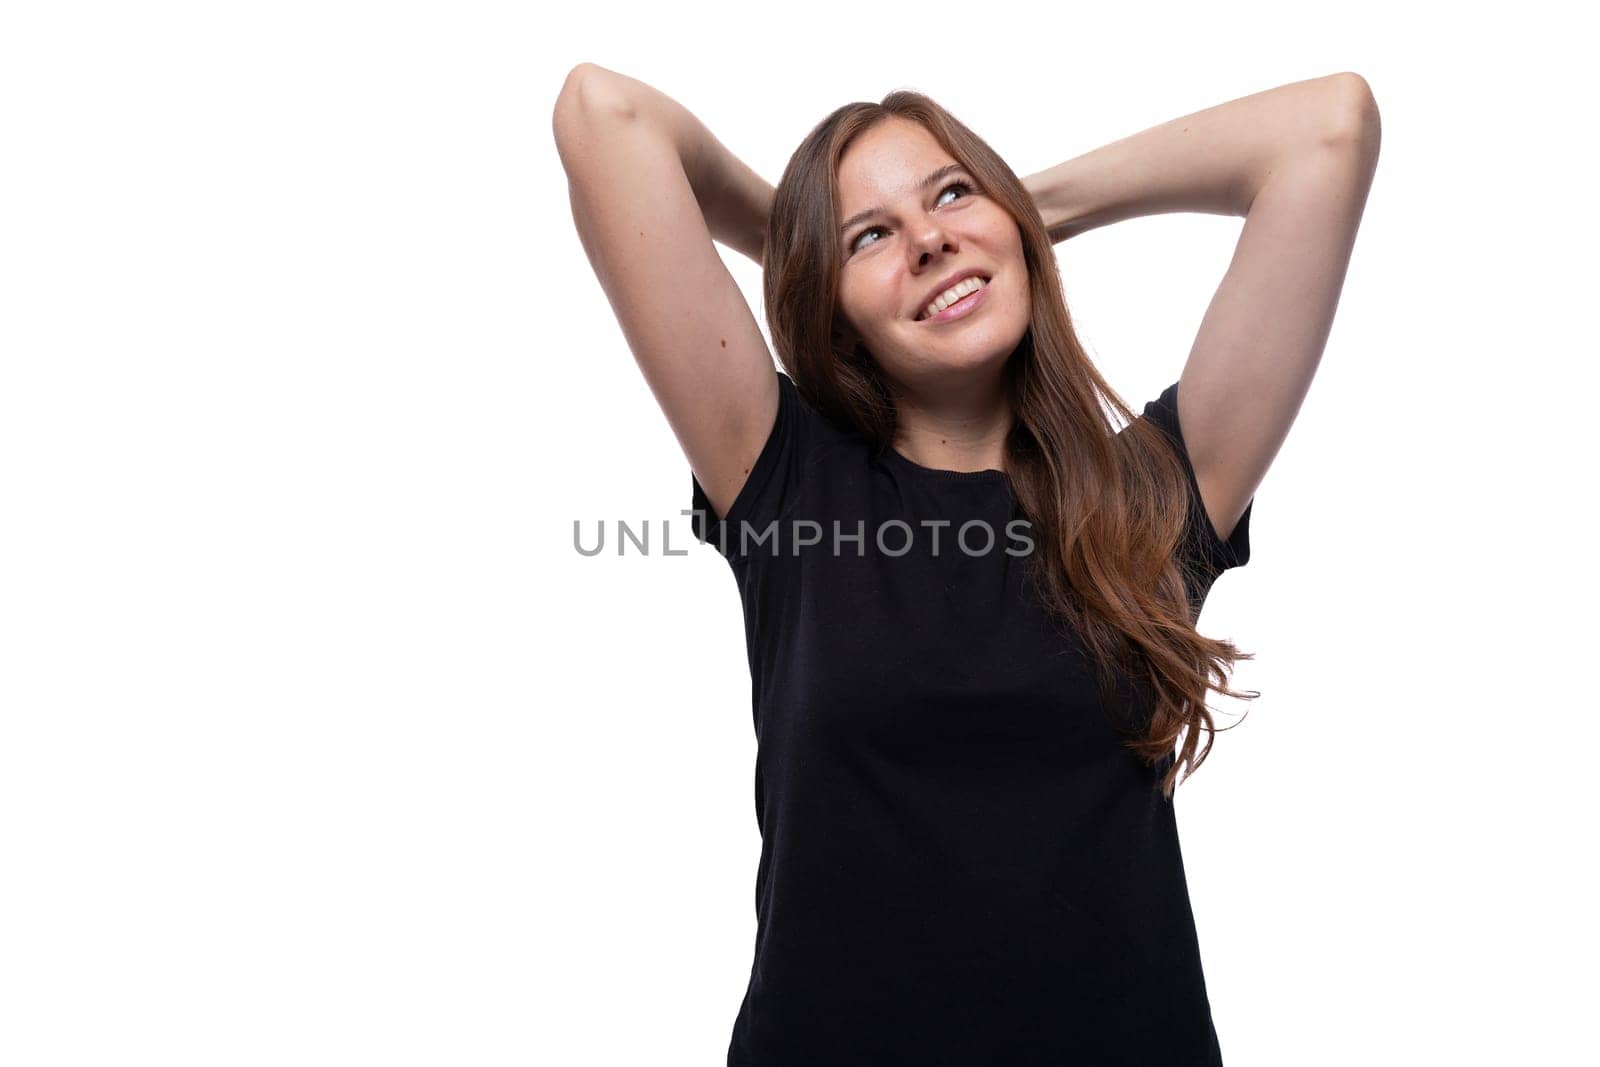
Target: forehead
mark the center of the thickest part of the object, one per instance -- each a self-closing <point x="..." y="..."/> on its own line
<point x="886" y="163"/>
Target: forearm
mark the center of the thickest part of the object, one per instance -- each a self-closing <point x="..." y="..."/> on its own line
<point x="1213" y="161"/>
<point x="734" y="199"/>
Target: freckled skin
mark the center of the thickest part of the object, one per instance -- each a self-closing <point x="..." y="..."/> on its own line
<point x="922" y="237"/>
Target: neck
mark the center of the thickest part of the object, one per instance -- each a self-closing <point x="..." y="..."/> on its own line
<point x="957" y="428"/>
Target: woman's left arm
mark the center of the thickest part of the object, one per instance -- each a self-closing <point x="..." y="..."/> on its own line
<point x="1296" y="162"/>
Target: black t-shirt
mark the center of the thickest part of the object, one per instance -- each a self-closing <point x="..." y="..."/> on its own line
<point x="961" y="861"/>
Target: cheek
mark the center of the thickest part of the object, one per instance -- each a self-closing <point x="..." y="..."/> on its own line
<point x="870" y="303"/>
<point x="1022" y="299"/>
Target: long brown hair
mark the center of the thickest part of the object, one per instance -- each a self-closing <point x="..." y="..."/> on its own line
<point x="1108" y="509"/>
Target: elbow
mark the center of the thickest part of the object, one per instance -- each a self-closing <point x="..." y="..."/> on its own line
<point x="570" y="98"/>
<point x="1353" y="120"/>
<point x="590" y="89"/>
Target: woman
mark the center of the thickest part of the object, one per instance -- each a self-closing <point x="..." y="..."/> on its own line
<point x="966" y="744"/>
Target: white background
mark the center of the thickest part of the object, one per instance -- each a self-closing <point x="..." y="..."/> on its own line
<point x="321" y="744"/>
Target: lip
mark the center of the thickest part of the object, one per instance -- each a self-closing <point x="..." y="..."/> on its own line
<point x="961" y="308"/>
<point x="958" y="276"/>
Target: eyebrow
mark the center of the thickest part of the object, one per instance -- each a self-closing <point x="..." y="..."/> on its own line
<point x="932" y="179"/>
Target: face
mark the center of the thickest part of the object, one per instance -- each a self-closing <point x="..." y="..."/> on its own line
<point x="895" y="262"/>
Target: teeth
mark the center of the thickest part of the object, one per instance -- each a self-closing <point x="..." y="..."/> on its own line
<point x="952" y="294"/>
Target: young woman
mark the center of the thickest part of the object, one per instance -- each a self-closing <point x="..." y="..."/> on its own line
<point x="970" y="595"/>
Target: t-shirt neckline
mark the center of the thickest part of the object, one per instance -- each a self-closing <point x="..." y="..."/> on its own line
<point x="937" y="474"/>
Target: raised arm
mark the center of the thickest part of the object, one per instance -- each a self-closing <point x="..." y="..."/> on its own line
<point x="651" y="188"/>
<point x="1297" y="162"/>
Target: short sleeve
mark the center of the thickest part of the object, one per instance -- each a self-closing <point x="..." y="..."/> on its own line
<point x="1206" y="555"/>
<point x="772" y="486"/>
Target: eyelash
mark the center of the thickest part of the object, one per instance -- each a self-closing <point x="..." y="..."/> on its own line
<point x="851" y="249"/>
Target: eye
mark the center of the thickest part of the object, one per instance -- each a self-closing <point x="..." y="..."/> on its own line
<point x="856" y="244"/>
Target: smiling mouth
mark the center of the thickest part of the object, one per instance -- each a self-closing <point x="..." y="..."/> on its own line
<point x="987" y="280"/>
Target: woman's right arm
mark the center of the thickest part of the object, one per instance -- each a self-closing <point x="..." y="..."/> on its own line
<point x="651" y="188"/>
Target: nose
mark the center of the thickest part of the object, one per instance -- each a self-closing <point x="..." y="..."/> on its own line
<point x="929" y="235"/>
